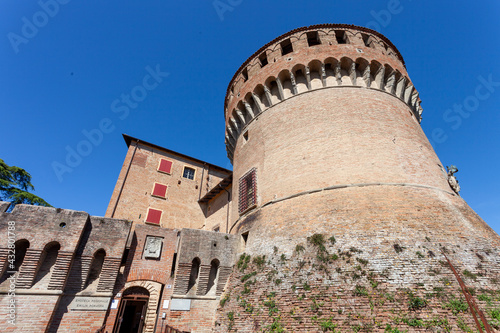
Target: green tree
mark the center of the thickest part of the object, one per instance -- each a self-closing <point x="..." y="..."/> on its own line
<point x="15" y="184"/>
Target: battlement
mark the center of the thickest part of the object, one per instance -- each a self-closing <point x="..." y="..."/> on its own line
<point x="313" y="58"/>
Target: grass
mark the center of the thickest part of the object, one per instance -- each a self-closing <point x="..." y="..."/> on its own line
<point x="248" y="276"/>
<point x="362" y="261"/>
<point x="243" y="262"/>
<point x="470" y="275"/>
<point x="224" y="300"/>
<point x="415" y="302"/>
<point x="259" y="261"/>
<point x="318" y="240"/>
<point x="299" y="248"/>
<point x="456" y="306"/>
<point x="327" y="325"/>
<point x="360" y="291"/>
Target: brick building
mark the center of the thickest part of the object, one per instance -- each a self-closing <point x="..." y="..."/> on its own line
<point x="341" y="218"/>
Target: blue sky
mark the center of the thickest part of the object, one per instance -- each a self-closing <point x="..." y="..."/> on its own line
<point x="66" y="68"/>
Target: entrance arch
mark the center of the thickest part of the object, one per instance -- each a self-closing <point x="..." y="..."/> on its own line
<point x="132" y="311"/>
<point x="138" y="305"/>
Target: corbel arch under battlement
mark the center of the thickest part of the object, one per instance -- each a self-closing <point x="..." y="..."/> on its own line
<point x="316" y="74"/>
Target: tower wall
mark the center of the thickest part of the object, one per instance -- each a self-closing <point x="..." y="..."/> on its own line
<point x="353" y="211"/>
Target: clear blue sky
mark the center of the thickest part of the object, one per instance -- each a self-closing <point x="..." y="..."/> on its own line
<point x="65" y="73"/>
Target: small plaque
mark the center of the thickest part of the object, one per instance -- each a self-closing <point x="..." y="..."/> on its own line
<point x="114" y="304"/>
<point x="152" y="249"/>
<point x="89" y="303"/>
<point x="165" y="304"/>
<point x="169" y="286"/>
<point x="180" y="304"/>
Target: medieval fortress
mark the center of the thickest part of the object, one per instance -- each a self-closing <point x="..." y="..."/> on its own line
<point x="337" y="217"/>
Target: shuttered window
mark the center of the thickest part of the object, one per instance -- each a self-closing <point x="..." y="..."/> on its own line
<point x="154" y="216"/>
<point x="159" y="190"/>
<point x="247" y="191"/>
<point x="165" y="166"/>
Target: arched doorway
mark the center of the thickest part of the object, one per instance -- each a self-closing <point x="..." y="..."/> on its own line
<point x="132" y="311"/>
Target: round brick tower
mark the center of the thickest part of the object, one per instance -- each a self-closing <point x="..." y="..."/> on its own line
<point x="336" y="184"/>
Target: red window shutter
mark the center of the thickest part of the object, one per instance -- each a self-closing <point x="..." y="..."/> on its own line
<point x="154" y="216"/>
<point x="247" y="191"/>
<point x="160" y="190"/>
<point x="165" y="166"/>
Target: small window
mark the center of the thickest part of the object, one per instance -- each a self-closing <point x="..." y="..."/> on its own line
<point x="245" y="237"/>
<point x="153" y="216"/>
<point x="174" y="261"/>
<point x="247" y="191"/>
<point x="312" y="38"/>
<point x="165" y="166"/>
<point x="286" y="47"/>
<point x="245" y="75"/>
<point x="366" y="39"/>
<point x="217" y="228"/>
<point x="263" y="59"/>
<point x="341" y="37"/>
<point x="159" y="190"/>
<point x="188" y="173"/>
<point x="245" y="136"/>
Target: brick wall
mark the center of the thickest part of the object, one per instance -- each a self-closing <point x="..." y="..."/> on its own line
<point x="180" y="207"/>
<point x="62" y="245"/>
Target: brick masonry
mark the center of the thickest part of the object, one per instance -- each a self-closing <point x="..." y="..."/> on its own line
<point x="352" y="219"/>
<point x="54" y="270"/>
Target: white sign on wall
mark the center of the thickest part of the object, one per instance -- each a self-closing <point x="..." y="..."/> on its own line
<point x="89" y="303"/>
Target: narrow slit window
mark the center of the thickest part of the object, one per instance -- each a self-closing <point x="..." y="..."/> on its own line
<point x="313" y="39"/>
<point x="263" y="59"/>
<point x="247" y="191"/>
<point x="245" y="75"/>
<point x="286" y="47"/>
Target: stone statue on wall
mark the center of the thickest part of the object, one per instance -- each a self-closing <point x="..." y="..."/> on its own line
<point x="452" y="180"/>
<point x="152" y="249"/>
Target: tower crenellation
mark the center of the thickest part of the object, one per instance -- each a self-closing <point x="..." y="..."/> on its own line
<point x="312" y="58"/>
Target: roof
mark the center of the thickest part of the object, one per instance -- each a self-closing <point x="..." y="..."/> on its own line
<point x="128" y="140"/>
<point x="217" y="189"/>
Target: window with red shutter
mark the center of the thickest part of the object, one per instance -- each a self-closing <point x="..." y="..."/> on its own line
<point x="153" y="216"/>
<point x="165" y="166"/>
<point x="159" y="190"/>
<point x="247" y="191"/>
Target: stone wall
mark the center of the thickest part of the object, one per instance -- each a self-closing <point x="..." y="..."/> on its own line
<point x="56" y="249"/>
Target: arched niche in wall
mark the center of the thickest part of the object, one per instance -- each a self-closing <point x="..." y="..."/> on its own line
<point x="193" y="276"/>
<point x="46" y="265"/>
<point x="95" y="270"/>
<point x="212" y="277"/>
<point x="20" y="248"/>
